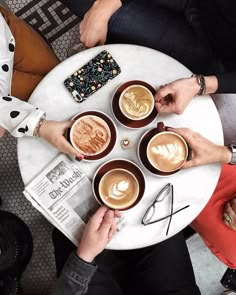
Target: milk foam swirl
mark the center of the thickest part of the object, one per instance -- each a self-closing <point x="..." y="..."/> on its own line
<point x="172" y="152"/>
<point x="118" y="190"/>
<point x="135" y="107"/>
<point x="136" y="102"/>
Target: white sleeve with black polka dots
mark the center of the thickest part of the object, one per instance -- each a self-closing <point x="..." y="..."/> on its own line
<point x="18" y="117"/>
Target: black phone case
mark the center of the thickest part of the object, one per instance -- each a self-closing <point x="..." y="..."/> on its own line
<point x="92" y="76"/>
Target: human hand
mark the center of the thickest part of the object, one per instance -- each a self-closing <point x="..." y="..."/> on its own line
<point x="229" y="215"/>
<point x="94" y="26"/>
<point x="2" y="132"/>
<point x="53" y="133"/>
<point x="203" y="151"/>
<point x="174" y="97"/>
<point x="98" y="232"/>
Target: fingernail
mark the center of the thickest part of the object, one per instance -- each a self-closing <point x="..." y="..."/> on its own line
<point x="79" y="158"/>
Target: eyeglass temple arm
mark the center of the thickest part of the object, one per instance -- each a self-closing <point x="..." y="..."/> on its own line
<point x="167" y="188"/>
<point x="171" y="209"/>
<point x="163" y="218"/>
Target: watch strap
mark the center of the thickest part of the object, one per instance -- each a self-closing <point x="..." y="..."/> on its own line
<point x="233" y="149"/>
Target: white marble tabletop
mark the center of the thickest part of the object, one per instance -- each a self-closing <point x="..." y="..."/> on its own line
<point x="192" y="187"/>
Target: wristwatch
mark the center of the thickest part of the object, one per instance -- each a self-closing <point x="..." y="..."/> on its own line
<point x="232" y="147"/>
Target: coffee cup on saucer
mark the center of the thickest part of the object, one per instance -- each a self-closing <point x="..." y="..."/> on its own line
<point x="93" y="134"/>
<point x="133" y="104"/>
<point x="119" y="184"/>
<point x="162" y="152"/>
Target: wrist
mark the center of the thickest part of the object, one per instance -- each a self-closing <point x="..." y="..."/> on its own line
<point x="225" y="154"/>
<point x="211" y="84"/>
<point x="85" y="255"/>
<point x="38" y="127"/>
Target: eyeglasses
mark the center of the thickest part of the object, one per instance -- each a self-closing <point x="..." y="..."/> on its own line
<point x="166" y="191"/>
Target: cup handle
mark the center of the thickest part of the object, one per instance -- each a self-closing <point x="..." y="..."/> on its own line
<point x="161" y="127"/>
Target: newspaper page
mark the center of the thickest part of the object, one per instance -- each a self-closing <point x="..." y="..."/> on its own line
<point x="63" y="194"/>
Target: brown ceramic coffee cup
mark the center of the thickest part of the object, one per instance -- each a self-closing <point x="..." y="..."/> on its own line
<point x="93" y="134"/>
<point x="119" y="184"/>
<point x="163" y="152"/>
<point x="133" y="104"/>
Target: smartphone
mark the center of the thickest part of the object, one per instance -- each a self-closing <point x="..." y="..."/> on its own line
<point x="92" y="76"/>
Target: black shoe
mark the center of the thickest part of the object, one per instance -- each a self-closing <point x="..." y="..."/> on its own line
<point x="229" y="279"/>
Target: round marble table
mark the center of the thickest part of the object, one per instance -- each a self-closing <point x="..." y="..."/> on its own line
<point x="192" y="187"/>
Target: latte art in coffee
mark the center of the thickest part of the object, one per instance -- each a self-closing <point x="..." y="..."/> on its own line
<point x="90" y="135"/>
<point x="136" y="102"/>
<point x="118" y="188"/>
<point x="167" y="151"/>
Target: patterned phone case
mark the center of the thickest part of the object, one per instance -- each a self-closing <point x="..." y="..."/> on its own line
<point x="92" y="76"/>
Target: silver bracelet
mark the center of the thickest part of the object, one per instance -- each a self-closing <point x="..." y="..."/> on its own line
<point x="37" y="128"/>
<point x="202" y="83"/>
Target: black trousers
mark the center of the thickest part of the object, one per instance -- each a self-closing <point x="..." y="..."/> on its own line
<point x="164" y="268"/>
<point x="173" y="27"/>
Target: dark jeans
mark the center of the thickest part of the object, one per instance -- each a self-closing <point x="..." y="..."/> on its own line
<point x="172" y="27"/>
<point x="164" y="268"/>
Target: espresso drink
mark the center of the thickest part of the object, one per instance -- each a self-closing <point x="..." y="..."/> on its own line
<point x="136" y="102"/>
<point x="167" y="151"/>
<point x="118" y="188"/>
<point x="90" y="135"/>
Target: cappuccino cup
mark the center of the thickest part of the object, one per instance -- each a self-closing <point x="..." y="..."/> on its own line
<point x="136" y="102"/>
<point x="119" y="184"/>
<point x="118" y="188"/>
<point x="93" y="134"/>
<point x="167" y="151"/>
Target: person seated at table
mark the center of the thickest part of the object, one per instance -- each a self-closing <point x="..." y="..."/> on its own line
<point x="24" y="59"/>
<point x="216" y="224"/>
<point x="164" y="268"/>
<point x="198" y="34"/>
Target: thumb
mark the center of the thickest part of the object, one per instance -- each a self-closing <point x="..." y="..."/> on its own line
<point x="107" y="222"/>
<point x="188" y="164"/>
<point x="68" y="124"/>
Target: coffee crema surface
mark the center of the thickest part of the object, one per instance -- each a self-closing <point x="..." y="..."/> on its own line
<point x="136" y="102"/>
<point x="90" y="135"/>
<point x="118" y="188"/>
<point x="167" y="151"/>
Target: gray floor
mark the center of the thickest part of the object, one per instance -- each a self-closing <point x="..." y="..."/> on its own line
<point x="40" y="273"/>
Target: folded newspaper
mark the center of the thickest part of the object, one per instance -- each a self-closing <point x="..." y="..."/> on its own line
<point x="63" y="194"/>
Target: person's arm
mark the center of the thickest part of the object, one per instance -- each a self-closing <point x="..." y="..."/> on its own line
<point x="203" y="151"/>
<point x="226" y="82"/>
<point x="75" y="276"/>
<point x="19" y="117"/>
<point x="79" y="267"/>
<point x="94" y="26"/>
<point x="175" y="96"/>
